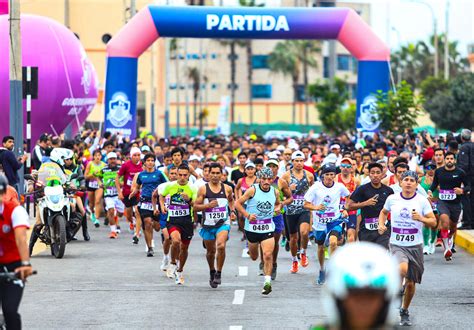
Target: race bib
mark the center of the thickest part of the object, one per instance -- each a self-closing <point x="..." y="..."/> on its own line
<point x="178" y="210"/>
<point x="111" y="191"/>
<point x="214" y="215"/>
<point x="146" y="206"/>
<point x="93" y="184"/>
<point x="326" y="217"/>
<point x="447" y="195"/>
<point x="372" y="223"/>
<point x="404" y="235"/>
<point x="129" y="182"/>
<point x="298" y="200"/>
<point x="261" y="226"/>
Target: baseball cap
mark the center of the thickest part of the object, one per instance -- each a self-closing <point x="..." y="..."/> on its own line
<point x="146" y="148"/>
<point x="249" y="164"/>
<point x="430" y="163"/>
<point x="328" y="168"/>
<point x="44" y="137"/>
<point x="346" y="159"/>
<point x="335" y="146"/>
<point x="194" y="157"/>
<point x="466" y="134"/>
<point x="111" y="155"/>
<point x="297" y="154"/>
<point x="316" y="158"/>
<point x="281" y="147"/>
<point x="272" y="161"/>
<point x="391" y="152"/>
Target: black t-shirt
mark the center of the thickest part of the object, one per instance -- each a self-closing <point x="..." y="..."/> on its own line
<point x="447" y="181"/>
<point x="367" y="191"/>
<point x="236" y="175"/>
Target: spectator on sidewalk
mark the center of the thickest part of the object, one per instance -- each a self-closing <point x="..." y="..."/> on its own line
<point x="40" y="150"/>
<point x="466" y="163"/>
<point x="9" y="163"/>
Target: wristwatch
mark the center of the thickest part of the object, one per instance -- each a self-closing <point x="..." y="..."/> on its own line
<point x="26" y="264"/>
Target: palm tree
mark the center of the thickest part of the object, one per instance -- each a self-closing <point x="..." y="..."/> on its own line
<point x="283" y="60"/>
<point x="195" y="76"/>
<point x="306" y="51"/>
<point x="232" y="43"/>
<point x="174" y="53"/>
<point x="248" y="47"/>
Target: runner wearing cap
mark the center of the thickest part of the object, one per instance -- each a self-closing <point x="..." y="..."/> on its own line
<point x="336" y="150"/>
<point x="285" y="199"/>
<point x="144" y="183"/>
<point x="113" y="205"/>
<point x="262" y="201"/>
<point x="127" y="171"/>
<point x="409" y="211"/>
<point x="298" y="219"/>
<point x="370" y="199"/>
<point x="323" y="198"/>
<point x="348" y="179"/>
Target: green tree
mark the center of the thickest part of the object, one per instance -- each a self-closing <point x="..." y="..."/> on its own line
<point x="195" y="76"/>
<point x="431" y="86"/>
<point x="283" y="60"/>
<point x="398" y="110"/>
<point x="453" y="108"/>
<point x="331" y="103"/>
<point x="414" y="62"/>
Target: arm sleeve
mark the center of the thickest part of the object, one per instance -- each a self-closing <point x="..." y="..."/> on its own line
<point x="20" y="218"/>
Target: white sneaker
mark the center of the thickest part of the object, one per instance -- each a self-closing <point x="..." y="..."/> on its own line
<point x="425" y="250"/>
<point x="170" y="271"/>
<point x="165" y="263"/>
<point x="178" y="278"/>
<point x="432" y="248"/>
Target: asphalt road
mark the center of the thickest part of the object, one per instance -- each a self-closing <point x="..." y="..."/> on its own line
<point x="111" y="284"/>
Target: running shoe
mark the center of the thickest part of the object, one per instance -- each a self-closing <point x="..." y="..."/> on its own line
<point x="178" y="278"/>
<point x="113" y="235"/>
<point x="117" y="230"/>
<point x="274" y="272"/>
<point x="164" y="263"/>
<point x="322" y="277"/>
<point x="283" y="242"/>
<point x="150" y="252"/>
<point x="439" y="242"/>
<point x="131" y="227"/>
<point x="448" y="254"/>
<point x="294" y="267"/>
<point x="135" y="240"/>
<point x="170" y="271"/>
<point x="304" y="260"/>
<point x="260" y="269"/>
<point x="267" y="288"/>
<point x="404" y="318"/>
<point x="432" y="247"/>
<point x="453" y="250"/>
<point x="450" y="243"/>
<point x="218" y="278"/>
<point x="211" y="280"/>
<point x="287" y="246"/>
<point x="106" y="221"/>
<point x="95" y="221"/>
<point x="425" y="250"/>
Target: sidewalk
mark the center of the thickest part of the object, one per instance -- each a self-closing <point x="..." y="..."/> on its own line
<point x="465" y="239"/>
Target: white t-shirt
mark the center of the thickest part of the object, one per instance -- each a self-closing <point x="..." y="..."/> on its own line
<point x="405" y="230"/>
<point x="419" y="189"/>
<point x="318" y="194"/>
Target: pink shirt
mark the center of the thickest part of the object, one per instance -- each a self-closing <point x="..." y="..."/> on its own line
<point x="128" y="171"/>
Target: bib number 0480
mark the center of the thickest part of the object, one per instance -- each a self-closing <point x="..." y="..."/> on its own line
<point x="260" y="227"/>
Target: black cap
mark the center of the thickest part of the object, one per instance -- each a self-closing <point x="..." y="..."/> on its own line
<point x="430" y="163"/>
<point x="328" y="168"/>
<point x="44" y="137"/>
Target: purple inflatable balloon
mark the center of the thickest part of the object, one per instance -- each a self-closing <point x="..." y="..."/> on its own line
<point x="67" y="81"/>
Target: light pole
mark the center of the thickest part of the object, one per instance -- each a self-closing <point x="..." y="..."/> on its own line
<point x="435" y="32"/>
<point x="446" y="44"/>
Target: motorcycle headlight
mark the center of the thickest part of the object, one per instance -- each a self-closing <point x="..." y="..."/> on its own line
<point x="55" y="198"/>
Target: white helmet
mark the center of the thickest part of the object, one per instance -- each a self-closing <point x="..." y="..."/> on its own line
<point x="58" y="155"/>
<point x="361" y="266"/>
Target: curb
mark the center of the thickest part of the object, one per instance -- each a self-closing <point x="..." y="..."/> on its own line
<point x="465" y="239"/>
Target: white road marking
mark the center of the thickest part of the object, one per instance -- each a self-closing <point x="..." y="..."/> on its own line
<point x="238" y="297"/>
<point x="243" y="270"/>
<point x="235" y="327"/>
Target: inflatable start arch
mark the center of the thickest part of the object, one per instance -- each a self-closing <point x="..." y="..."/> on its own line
<point x="153" y="22"/>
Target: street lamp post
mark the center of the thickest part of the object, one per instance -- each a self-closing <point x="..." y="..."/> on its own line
<point x="435" y="32"/>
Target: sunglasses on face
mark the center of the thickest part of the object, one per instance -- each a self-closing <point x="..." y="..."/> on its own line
<point x="430" y="168"/>
<point x="346" y="165"/>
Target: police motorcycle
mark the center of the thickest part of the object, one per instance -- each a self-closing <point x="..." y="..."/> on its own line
<point x="55" y="201"/>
